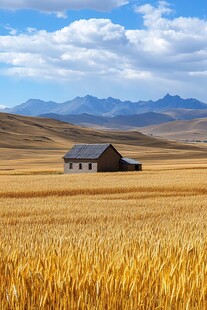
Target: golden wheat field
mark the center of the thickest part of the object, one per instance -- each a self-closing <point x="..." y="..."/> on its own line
<point x="104" y="241"/>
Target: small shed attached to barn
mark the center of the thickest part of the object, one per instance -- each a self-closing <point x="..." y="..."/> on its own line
<point x="129" y="164"/>
<point x="84" y="158"/>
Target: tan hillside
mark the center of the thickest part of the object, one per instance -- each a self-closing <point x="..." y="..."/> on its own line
<point x="28" y="142"/>
<point x="195" y="129"/>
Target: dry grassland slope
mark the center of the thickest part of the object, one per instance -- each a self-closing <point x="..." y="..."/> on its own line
<point x="29" y="142"/>
<point x="29" y="132"/>
<point x="195" y="129"/>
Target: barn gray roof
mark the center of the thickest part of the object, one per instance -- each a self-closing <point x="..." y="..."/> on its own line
<point x="129" y="161"/>
<point x="87" y="151"/>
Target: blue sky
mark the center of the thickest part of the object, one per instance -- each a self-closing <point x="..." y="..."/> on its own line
<point x="57" y="50"/>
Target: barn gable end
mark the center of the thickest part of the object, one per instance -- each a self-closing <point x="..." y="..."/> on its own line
<point x="109" y="160"/>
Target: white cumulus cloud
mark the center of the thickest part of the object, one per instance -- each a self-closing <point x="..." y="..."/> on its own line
<point x="166" y="53"/>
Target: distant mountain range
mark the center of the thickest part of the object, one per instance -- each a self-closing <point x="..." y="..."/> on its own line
<point x="116" y="122"/>
<point x="109" y="107"/>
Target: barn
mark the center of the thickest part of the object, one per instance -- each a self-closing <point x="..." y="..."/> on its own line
<point x="83" y="158"/>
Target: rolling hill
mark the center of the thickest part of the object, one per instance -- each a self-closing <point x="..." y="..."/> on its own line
<point x="41" y="133"/>
<point x="32" y="142"/>
<point x="194" y="129"/>
<point x="187" y="114"/>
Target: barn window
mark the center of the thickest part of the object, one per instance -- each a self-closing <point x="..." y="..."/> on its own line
<point x="70" y="165"/>
<point x="89" y="166"/>
<point x="80" y="166"/>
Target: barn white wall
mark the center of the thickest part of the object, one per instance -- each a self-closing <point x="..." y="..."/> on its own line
<point x="77" y="170"/>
